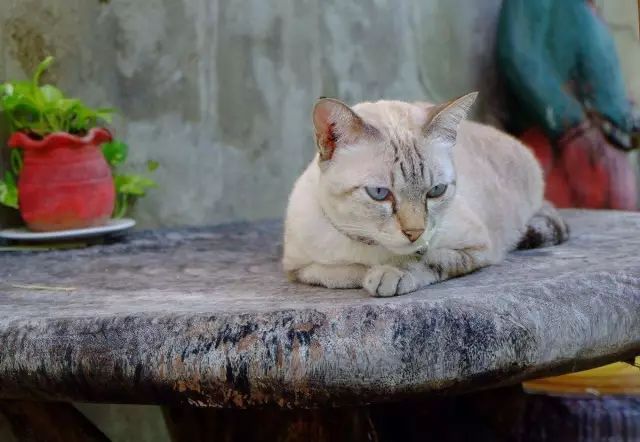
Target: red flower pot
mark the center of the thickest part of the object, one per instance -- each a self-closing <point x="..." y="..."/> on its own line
<point x="65" y="182"/>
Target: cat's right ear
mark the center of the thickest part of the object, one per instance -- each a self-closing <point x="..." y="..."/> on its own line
<point x="335" y="124"/>
<point x="445" y="118"/>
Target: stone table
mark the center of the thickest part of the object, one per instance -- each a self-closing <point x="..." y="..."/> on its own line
<point x="205" y="317"/>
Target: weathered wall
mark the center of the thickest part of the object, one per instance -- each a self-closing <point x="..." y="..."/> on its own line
<point x="622" y="17"/>
<point x="220" y="91"/>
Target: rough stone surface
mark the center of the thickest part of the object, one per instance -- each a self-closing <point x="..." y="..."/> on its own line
<point x="205" y="317"/>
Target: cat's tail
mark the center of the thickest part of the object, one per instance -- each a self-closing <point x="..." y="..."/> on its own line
<point x="545" y="228"/>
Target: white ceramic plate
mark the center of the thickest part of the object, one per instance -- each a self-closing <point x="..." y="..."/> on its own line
<point x="23" y="234"/>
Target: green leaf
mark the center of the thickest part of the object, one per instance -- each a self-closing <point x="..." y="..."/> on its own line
<point x="115" y="152"/>
<point x="105" y="111"/>
<point x="135" y="185"/>
<point x="43" y="66"/>
<point x="121" y="206"/>
<point x="15" y="159"/>
<point x="152" y="165"/>
<point x="105" y="117"/>
<point x="14" y="101"/>
<point x="17" y="89"/>
<point x="6" y="89"/>
<point x="67" y="104"/>
<point x="9" y="191"/>
<point x="44" y="109"/>
<point x="51" y="94"/>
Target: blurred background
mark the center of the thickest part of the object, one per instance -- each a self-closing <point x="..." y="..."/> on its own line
<point x="219" y="92"/>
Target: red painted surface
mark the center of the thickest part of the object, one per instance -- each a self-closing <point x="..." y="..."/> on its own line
<point x="584" y="171"/>
<point x="65" y="182"/>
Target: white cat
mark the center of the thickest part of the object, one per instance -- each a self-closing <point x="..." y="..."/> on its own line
<point x="404" y="195"/>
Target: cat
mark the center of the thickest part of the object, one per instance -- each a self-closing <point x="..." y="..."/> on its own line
<point x="403" y="195"/>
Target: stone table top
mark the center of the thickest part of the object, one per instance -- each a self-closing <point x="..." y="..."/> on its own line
<point x="205" y="316"/>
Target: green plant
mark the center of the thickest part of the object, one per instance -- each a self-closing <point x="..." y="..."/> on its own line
<point x="8" y="187"/>
<point x="40" y="110"/>
<point x="128" y="187"/>
<point x="9" y="191"/>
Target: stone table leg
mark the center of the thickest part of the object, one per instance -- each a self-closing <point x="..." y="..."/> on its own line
<point x="206" y="424"/>
<point x="49" y="422"/>
<point x="517" y="416"/>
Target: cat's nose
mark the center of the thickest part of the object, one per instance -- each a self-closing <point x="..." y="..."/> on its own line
<point x="413" y="234"/>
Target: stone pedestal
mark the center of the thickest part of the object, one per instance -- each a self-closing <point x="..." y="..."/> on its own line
<point x="204" y="317"/>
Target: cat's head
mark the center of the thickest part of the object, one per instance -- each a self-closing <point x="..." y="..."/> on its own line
<point x="386" y="168"/>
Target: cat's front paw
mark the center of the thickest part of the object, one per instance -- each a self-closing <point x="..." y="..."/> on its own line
<point x="386" y="280"/>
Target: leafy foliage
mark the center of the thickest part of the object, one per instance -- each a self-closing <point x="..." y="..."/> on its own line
<point x="40" y="110"/>
<point x="115" y="152"/>
<point x="128" y="187"/>
<point x="8" y="187"/>
<point x="9" y="191"/>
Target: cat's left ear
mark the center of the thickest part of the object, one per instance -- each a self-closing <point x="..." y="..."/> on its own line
<point x="444" y="119"/>
<point x="336" y="124"/>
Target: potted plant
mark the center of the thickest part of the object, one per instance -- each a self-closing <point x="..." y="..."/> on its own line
<point x="63" y="159"/>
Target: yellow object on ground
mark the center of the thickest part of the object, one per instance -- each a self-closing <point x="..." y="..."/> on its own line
<point x="613" y="379"/>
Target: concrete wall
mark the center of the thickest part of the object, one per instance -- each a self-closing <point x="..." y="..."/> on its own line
<point x="623" y="19"/>
<point x="220" y="91"/>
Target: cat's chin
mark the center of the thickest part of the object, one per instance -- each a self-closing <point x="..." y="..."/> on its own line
<point x="416" y="248"/>
<point x="409" y="249"/>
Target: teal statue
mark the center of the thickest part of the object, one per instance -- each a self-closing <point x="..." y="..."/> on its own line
<point x="568" y="101"/>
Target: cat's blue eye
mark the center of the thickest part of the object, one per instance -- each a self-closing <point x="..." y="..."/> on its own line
<point x="378" y="193"/>
<point x="437" y="191"/>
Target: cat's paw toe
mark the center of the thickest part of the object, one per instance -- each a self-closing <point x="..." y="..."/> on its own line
<point x="385" y="281"/>
<point x="407" y="284"/>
